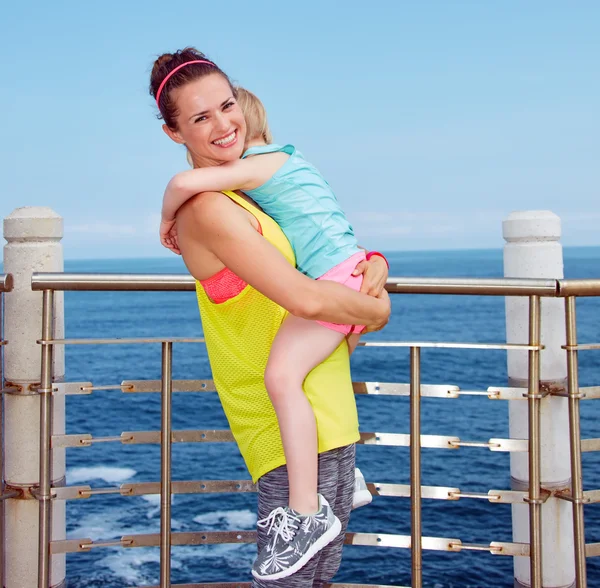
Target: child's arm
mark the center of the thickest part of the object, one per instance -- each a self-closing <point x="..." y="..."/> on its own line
<point x="236" y="175"/>
<point x="242" y="174"/>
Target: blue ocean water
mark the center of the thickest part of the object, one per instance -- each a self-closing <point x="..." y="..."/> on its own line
<point x="449" y="318"/>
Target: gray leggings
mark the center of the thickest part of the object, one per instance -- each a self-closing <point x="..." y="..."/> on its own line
<point x="336" y="484"/>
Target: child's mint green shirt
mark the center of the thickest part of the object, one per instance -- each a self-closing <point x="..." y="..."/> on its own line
<point x="303" y="204"/>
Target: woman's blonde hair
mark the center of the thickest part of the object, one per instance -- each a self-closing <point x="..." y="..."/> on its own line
<point x="255" y="115"/>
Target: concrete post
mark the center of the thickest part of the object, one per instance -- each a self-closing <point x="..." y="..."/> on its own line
<point x="33" y="235"/>
<point x="533" y="250"/>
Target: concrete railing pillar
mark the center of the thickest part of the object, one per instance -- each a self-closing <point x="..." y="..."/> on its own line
<point x="33" y="235"/>
<point x="533" y="250"/>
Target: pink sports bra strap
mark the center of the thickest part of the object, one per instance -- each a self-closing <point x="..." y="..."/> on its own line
<point x="224" y="285"/>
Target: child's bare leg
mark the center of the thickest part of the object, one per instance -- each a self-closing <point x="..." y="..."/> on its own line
<point x="352" y="342"/>
<point x="299" y="346"/>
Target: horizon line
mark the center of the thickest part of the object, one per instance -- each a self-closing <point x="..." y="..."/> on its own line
<point x="450" y="250"/>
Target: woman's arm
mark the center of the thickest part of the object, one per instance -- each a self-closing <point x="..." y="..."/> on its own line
<point x="216" y="223"/>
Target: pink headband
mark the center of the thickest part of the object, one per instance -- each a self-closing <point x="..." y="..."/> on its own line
<point x="168" y="77"/>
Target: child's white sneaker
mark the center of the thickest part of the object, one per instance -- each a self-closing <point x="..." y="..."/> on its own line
<point x="362" y="496"/>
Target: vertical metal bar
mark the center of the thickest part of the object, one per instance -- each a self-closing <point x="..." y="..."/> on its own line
<point x="535" y="505"/>
<point x="575" y="442"/>
<point x="165" y="466"/>
<point x="1" y="443"/>
<point x="415" y="467"/>
<point x="45" y="498"/>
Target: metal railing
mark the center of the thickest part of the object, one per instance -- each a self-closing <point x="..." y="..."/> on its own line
<point x="6" y="285"/>
<point x="535" y="497"/>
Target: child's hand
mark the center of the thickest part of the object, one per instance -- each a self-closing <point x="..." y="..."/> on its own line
<point x="168" y="235"/>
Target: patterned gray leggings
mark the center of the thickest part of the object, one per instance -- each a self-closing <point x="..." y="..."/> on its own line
<point x="336" y="484"/>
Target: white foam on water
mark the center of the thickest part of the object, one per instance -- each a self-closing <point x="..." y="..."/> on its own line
<point x="109" y="474"/>
<point x="135" y="566"/>
<point x="127" y="564"/>
<point x="154" y="500"/>
<point x="234" y="555"/>
<point x="229" y="520"/>
<point x="109" y="524"/>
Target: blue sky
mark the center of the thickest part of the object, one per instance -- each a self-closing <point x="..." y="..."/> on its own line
<point x="431" y="119"/>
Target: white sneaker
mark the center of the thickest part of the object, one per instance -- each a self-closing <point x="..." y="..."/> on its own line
<point x="362" y="496"/>
<point x="294" y="540"/>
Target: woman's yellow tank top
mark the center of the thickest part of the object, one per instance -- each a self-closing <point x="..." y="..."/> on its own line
<point x="239" y="334"/>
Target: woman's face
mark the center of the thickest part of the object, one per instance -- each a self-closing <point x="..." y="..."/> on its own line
<point x="210" y="122"/>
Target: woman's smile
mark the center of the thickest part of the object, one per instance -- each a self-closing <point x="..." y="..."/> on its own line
<point x="209" y="122"/>
<point x="227" y="141"/>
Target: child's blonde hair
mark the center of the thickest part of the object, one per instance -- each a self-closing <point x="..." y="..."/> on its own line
<point x="255" y="115"/>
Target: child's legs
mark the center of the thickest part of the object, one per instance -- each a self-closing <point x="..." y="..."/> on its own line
<point x="343" y="274"/>
<point x="299" y="346"/>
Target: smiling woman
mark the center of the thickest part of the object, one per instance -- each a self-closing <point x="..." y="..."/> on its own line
<point x="208" y="94"/>
<point x="226" y="240"/>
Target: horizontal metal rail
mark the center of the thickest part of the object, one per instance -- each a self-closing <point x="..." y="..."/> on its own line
<point x="582" y="347"/>
<point x="407" y="344"/>
<point x="404" y="285"/>
<point x="226" y="436"/>
<point x="367" y="388"/>
<point x="113" y="282"/>
<point x="473" y="286"/>
<point x="120" y="341"/>
<point x="451" y="345"/>
<point x="242" y="537"/>
<point x="6" y="283"/>
<point x="249" y="585"/>
<point x="568" y="288"/>
<point x="233" y="486"/>
<point x="592" y="550"/>
<point x="449" y="391"/>
<point x="397" y="285"/>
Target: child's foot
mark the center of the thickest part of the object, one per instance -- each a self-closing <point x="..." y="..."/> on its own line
<point x="362" y="496"/>
<point x="294" y="540"/>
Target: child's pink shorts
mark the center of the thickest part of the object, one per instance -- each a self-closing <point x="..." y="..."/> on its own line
<point x="342" y="274"/>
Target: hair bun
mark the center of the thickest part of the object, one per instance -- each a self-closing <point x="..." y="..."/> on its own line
<point x="168" y="64"/>
<point x="168" y="61"/>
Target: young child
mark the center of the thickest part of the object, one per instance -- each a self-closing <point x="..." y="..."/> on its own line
<point x="297" y="197"/>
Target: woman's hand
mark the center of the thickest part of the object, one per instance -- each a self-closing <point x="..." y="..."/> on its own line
<point x="168" y="235"/>
<point x="375" y="274"/>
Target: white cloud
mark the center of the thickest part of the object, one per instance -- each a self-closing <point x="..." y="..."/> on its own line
<point x="151" y="223"/>
<point x="105" y="238"/>
<point x="142" y="226"/>
<point x="368" y="224"/>
<point x="102" y="228"/>
<point x="583" y="217"/>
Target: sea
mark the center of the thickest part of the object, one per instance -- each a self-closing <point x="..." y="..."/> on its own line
<point x="415" y="317"/>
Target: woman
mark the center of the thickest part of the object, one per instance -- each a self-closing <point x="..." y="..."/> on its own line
<point x="233" y="249"/>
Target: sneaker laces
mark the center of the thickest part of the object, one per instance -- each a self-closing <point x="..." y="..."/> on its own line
<point x="282" y="521"/>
